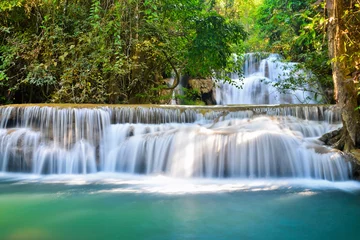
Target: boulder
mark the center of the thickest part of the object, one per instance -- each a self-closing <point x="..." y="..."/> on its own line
<point x="331" y="138"/>
<point x="206" y="89"/>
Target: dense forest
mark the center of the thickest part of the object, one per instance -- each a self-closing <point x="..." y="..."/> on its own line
<point x="123" y="51"/>
<point x="109" y="51"/>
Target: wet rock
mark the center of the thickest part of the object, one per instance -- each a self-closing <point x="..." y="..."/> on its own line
<point x="131" y="131"/>
<point x="331" y="138"/>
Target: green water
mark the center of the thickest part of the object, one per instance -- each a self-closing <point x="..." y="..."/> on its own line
<point x="161" y="208"/>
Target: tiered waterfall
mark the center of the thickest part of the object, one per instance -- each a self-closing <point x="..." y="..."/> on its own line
<point x="237" y="141"/>
<point x="211" y="142"/>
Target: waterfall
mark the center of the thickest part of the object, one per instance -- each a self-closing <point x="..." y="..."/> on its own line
<point x="176" y="91"/>
<point x="202" y="142"/>
<point x="258" y="84"/>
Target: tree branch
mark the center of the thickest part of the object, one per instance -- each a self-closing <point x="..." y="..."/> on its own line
<point x="177" y="75"/>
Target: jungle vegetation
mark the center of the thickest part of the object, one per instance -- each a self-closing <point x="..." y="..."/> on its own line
<point x="122" y="51"/>
<point x="109" y="51"/>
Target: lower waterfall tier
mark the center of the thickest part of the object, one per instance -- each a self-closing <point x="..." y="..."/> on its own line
<point x="228" y="147"/>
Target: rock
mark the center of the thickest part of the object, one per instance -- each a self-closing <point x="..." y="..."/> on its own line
<point x="206" y="89"/>
<point x="203" y="85"/>
<point x="355" y="157"/>
<point x="331" y="138"/>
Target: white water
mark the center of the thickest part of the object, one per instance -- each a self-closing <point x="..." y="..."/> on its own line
<point x="258" y="84"/>
<point x="160" y="184"/>
<point x="248" y="142"/>
<point x="258" y="142"/>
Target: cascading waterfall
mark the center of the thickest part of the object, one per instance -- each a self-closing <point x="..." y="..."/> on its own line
<point x="206" y="142"/>
<point x="260" y="75"/>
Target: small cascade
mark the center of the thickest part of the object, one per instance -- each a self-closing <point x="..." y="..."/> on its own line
<point x="260" y="75"/>
<point x="43" y="139"/>
<point x="206" y="142"/>
<point x="251" y="64"/>
<point x="176" y="91"/>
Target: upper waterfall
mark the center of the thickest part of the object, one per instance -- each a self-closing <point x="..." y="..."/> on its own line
<point x="258" y="84"/>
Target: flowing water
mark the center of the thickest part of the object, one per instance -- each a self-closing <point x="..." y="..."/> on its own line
<point x="215" y="142"/>
<point x="177" y="172"/>
<point x="259" y="83"/>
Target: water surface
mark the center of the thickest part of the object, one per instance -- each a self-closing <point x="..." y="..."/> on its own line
<point x="103" y="206"/>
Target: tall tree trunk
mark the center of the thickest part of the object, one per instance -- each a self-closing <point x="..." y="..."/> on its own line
<point x="345" y="90"/>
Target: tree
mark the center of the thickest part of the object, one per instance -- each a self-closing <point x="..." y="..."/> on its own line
<point x="202" y="42"/>
<point x="106" y="51"/>
<point x="345" y="86"/>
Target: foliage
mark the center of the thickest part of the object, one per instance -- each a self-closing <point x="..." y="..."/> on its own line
<point x="296" y="30"/>
<point x="190" y="97"/>
<point x="351" y="21"/>
<point x="107" y="51"/>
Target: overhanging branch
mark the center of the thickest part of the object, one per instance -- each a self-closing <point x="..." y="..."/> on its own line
<point x="177" y="75"/>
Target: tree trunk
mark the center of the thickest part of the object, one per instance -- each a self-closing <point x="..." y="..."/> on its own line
<point x="345" y="89"/>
